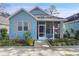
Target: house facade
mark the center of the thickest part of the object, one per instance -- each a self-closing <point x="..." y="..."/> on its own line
<point x="40" y="24"/>
<point x="72" y="23"/>
<point x="4" y="23"/>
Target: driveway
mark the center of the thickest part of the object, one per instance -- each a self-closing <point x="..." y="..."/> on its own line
<point x="33" y="51"/>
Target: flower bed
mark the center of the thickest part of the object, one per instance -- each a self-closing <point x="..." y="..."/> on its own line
<point x="16" y="43"/>
<point x="6" y="41"/>
<point x="63" y="42"/>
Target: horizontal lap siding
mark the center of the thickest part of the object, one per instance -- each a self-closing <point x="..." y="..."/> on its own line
<point x="25" y="17"/>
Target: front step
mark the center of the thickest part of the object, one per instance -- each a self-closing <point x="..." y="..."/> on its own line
<point x="41" y="43"/>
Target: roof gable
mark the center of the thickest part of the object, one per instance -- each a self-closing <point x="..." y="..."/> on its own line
<point x="38" y="11"/>
<point x="21" y="10"/>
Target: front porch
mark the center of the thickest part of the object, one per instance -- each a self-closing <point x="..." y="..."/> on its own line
<point x="49" y="29"/>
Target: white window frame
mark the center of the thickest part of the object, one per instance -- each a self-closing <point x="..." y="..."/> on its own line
<point x="27" y="26"/>
<point x="18" y="25"/>
<point x="22" y="26"/>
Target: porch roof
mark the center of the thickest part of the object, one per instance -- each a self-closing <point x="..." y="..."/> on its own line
<point x="49" y="18"/>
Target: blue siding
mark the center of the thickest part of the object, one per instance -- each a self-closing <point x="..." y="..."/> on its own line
<point x="22" y="16"/>
<point x="38" y="12"/>
<point x="73" y="25"/>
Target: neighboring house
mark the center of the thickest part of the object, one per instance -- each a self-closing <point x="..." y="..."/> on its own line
<point x="72" y="23"/>
<point x="40" y="24"/>
<point x="4" y="23"/>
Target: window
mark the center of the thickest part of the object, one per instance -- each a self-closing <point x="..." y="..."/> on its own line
<point x="25" y="26"/>
<point x="19" y="26"/>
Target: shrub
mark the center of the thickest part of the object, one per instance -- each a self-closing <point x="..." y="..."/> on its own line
<point x="4" y="42"/>
<point x="28" y="39"/>
<point x="4" y="33"/>
<point x="30" y="42"/>
<point x="16" y="39"/>
<point x="27" y="35"/>
<point x="63" y="42"/>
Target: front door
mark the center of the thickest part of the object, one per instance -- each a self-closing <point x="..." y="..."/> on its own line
<point x="41" y="32"/>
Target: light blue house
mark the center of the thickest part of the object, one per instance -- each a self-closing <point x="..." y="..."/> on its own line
<point x="40" y="24"/>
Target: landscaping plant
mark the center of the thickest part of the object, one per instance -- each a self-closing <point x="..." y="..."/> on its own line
<point x="4" y="34"/>
<point x="28" y="39"/>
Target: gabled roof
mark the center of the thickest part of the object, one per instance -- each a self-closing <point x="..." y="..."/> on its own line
<point x="44" y="12"/>
<point x="21" y="10"/>
<point x="36" y="17"/>
<point x="73" y="17"/>
<point x="38" y="8"/>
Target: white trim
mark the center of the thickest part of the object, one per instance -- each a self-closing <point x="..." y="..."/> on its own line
<point x="53" y="19"/>
<point x="42" y="38"/>
<point x="27" y="26"/>
<point x="17" y="26"/>
<point x="45" y="28"/>
<point x="22" y="26"/>
<point x="61" y="29"/>
<point x="53" y="32"/>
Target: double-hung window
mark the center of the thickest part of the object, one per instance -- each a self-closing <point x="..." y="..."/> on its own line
<point x="25" y="26"/>
<point x="22" y="26"/>
<point x="19" y="26"/>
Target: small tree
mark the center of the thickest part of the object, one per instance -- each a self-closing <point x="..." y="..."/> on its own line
<point x="52" y="10"/>
<point x="4" y="33"/>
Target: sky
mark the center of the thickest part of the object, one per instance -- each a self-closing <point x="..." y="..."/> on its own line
<point x="64" y="9"/>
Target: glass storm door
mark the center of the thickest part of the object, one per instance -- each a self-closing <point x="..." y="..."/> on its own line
<point x="41" y="32"/>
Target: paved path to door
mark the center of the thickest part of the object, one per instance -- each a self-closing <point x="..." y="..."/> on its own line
<point x="41" y="44"/>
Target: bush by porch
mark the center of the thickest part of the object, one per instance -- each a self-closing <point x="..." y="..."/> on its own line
<point x="5" y="41"/>
<point x="70" y="38"/>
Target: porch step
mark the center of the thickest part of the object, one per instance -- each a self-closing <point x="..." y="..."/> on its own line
<point x="41" y="43"/>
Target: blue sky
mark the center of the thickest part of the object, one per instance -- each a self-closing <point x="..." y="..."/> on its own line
<point x="65" y="9"/>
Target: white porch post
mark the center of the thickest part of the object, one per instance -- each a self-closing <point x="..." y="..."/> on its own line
<point x="61" y="29"/>
<point x="53" y="31"/>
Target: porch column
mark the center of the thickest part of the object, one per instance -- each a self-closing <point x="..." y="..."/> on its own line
<point x="61" y="29"/>
<point x="53" y="32"/>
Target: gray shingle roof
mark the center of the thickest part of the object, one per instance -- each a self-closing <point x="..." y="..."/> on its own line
<point x="73" y="17"/>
